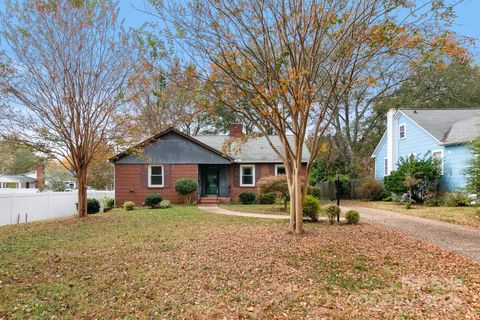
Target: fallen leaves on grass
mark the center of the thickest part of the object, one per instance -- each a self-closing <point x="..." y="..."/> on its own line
<point x="189" y="265"/>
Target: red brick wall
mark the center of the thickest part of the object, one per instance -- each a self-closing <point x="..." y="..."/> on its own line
<point x="129" y="185"/>
<point x="261" y="170"/>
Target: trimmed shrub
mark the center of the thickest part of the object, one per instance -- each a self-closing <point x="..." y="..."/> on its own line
<point x="315" y="192"/>
<point x="128" y="205"/>
<point x="93" y="206"/>
<point x="165" y="204"/>
<point x="352" y="216"/>
<point x="266" y="198"/>
<point x="311" y="207"/>
<point x="332" y="211"/>
<point x="186" y="186"/>
<point x="372" y="190"/>
<point x="152" y="200"/>
<point x="108" y="202"/>
<point x="247" y="197"/>
<point x="457" y="199"/>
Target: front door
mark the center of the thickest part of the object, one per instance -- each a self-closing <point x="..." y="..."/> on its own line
<point x="212" y="181"/>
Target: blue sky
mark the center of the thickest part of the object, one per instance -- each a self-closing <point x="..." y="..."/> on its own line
<point x="467" y="23"/>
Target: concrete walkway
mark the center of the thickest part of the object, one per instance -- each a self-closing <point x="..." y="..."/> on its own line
<point x="218" y="210"/>
<point x="451" y="237"/>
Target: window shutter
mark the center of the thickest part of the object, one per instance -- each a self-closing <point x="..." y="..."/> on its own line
<point x="258" y="173"/>
<point x="272" y="169"/>
<point x="144" y="176"/>
<point x="236" y="175"/>
<point x="166" y="175"/>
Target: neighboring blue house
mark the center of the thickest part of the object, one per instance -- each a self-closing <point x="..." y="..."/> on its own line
<point x="443" y="133"/>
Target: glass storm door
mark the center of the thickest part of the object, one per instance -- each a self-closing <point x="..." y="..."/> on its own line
<point x="212" y="181"/>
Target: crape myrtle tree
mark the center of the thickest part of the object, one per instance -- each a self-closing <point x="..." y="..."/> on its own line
<point x="65" y="79"/>
<point x="285" y="65"/>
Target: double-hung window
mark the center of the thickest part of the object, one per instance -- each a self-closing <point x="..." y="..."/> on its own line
<point x="155" y="176"/>
<point x="280" y="169"/>
<point x="247" y="175"/>
<point x="402" y="131"/>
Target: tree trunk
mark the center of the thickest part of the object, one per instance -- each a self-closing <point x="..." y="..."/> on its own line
<point x="82" y="192"/>
<point x="296" y="200"/>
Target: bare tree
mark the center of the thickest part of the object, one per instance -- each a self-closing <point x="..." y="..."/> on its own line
<point x="286" y="64"/>
<point x="70" y="66"/>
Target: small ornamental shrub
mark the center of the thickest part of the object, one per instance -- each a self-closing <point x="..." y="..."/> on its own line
<point x="277" y="184"/>
<point x="332" y="211"/>
<point x="165" y="204"/>
<point x="433" y="200"/>
<point x="352" y="216"/>
<point x="315" y="192"/>
<point x="311" y="208"/>
<point x="457" y="199"/>
<point x="247" y="197"/>
<point x="93" y="206"/>
<point x="266" y="198"/>
<point x="128" y="205"/>
<point x="186" y="187"/>
<point x="108" y="202"/>
<point x="152" y="200"/>
<point x="372" y="190"/>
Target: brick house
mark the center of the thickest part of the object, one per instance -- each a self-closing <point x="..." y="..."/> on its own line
<point x="156" y="163"/>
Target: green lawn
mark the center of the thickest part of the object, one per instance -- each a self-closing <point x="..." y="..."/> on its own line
<point x="256" y="208"/>
<point x="181" y="263"/>
<point x="460" y="215"/>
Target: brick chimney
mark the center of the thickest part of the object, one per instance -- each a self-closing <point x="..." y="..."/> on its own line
<point x="40" y="172"/>
<point x="235" y="130"/>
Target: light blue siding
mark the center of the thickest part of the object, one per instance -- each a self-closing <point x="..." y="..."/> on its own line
<point x="417" y="141"/>
<point x="420" y="143"/>
<point x="457" y="159"/>
<point x="380" y="160"/>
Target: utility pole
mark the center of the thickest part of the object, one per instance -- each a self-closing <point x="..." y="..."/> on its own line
<point x="338" y="193"/>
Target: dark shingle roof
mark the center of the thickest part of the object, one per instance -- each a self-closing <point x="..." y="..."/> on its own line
<point x="253" y="150"/>
<point x="449" y="126"/>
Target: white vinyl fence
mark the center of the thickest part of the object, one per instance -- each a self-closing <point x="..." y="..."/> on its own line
<point x="16" y="206"/>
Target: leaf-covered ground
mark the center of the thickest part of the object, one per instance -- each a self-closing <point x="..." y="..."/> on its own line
<point x="256" y="208"/>
<point x="467" y="216"/>
<point x="181" y="263"/>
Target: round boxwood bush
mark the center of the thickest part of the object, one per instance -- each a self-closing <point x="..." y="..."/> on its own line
<point x="247" y="197"/>
<point x="266" y="198"/>
<point x="311" y="207"/>
<point x="332" y="211"/>
<point x="352" y="216"/>
<point x="152" y="200"/>
<point x="128" y="205"/>
<point x="165" y="204"/>
<point x="93" y="206"/>
<point x="186" y="186"/>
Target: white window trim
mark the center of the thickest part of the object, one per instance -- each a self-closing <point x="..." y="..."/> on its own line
<point x="253" y="175"/>
<point x="279" y="166"/>
<point x="442" y="158"/>
<point x="150" y="185"/>
<point x="404" y="125"/>
<point x="385" y="167"/>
